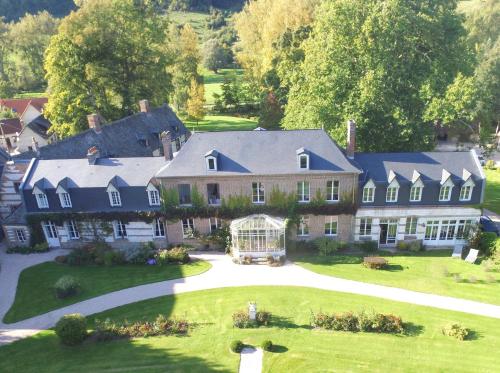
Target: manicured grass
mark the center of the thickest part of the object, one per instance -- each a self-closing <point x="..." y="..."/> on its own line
<point x="492" y="192"/>
<point x="35" y="294"/>
<point x="300" y="349"/>
<point x="221" y="123"/>
<point x="213" y="82"/>
<point x="196" y="19"/>
<point x="30" y="94"/>
<point x="428" y="272"/>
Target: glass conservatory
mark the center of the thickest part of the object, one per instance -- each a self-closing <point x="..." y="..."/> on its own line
<point x="258" y="236"/>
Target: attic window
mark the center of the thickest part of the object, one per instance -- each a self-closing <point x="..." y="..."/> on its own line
<point x="42" y="201"/>
<point x="304" y="161"/>
<point x="211" y="164"/>
<point x="211" y="160"/>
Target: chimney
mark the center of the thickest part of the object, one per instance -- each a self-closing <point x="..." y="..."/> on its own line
<point x="93" y="155"/>
<point x="166" y="140"/>
<point x="351" y="138"/>
<point x="34" y="143"/>
<point x="144" y="106"/>
<point x="95" y="122"/>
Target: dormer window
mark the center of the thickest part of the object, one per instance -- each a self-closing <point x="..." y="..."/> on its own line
<point x="369" y="192"/>
<point x="391" y="194"/>
<point x="41" y="198"/>
<point x="64" y="196"/>
<point x="466" y="190"/>
<point x="153" y="195"/>
<point x="303" y="159"/>
<point x="114" y="196"/>
<point x="211" y="160"/>
<point x="446" y="187"/>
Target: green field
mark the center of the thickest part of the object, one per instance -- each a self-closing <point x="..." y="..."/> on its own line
<point x="492" y="192"/>
<point x="213" y="82"/>
<point x="35" y="294"/>
<point x="196" y="19"/>
<point x="429" y="272"/>
<point x="221" y="123"/>
<point x="299" y="348"/>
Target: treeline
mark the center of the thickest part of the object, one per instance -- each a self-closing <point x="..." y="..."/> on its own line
<point x="12" y="10"/>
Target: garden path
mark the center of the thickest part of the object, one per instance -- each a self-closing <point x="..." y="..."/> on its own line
<point x="251" y="360"/>
<point x="224" y="273"/>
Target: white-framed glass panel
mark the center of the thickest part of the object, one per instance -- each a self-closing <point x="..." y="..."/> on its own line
<point x="211" y="164"/>
<point x="303" y="227"/>
<point x="159" y="228"/>
<point x="332" y="190"/>
<point x="431" y="230"/>
<point x="466" y="193"/>
<point x="303" y="161"/>
<point x="445" y="193"/>
<point x="42" y="201"/>
<point x="391" y="194"/>
<point x="365" y="227"/>
<point x="368" y="194"/>
<point x="20" y="235"/>
<point x="65" y="200"/>
<point x="447" y="231"/>
<point x="188" y="228"/>
<point x="388" y="231"/>
<point x="258" y="234"/>
<point x="214" y="224"/>
<point x="154" y="197"/>
<point x="213" y="194"/>
<point x="72" y="229"/>
<point x="258" y="194"/>
<point x="331" y="224"/>
<point x="184" y="194"/>
<point x="411" y="225"/>
<point x="50" y="229"/>
<point x="120" y="229"/>
<point x="303" y="191"/>
<point x="464" y="228"/>
<point x="415" y="193"/>
<point x="114" y="198"/>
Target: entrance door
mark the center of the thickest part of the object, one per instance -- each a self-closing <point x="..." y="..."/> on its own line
<point x="49" y="228"/>
<point x="388" y="231"/>
<point x="383" y="234"/>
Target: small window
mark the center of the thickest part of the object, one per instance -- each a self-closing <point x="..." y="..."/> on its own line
<point x="50" y="229"/>
<point x="304" y="161"/>
<point x="391" y="194"/>
<point x="411" y="225"/>
<point x="114" y="198"/>
<point x="464" y="229"/>
<point x="415" y="193"/>
<point x="258" y="193"/>
<point x="303" y="191"/>
<point x="21" y="235"/>
<point x="211" y="165"/>
<point x="42" y="201"/>
<point x="332" y="190"/>
<point x="213" y="194"/>
<point x="445" y="193"/>
<point x="303" y="227"/>
<point x="214" y="224"/>
<point x="330" y="225"/>
<point x="365" y="227"/>
<point x="65" y="200"/>
<point x="72" y="230"/>
<point x="187" y="228"/>
<point x="184" y="194"/>
<point x="120" y="229"/>
<point x="159" y="228"/>
<point x="466" y="193"/>
<point x="368" y="194"/>
<point x="154" y="197"/>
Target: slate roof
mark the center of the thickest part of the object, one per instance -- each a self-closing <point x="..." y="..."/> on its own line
<point x="258" y="153"/>
<point x="430" y="165"/>
<point x="11" y="126"/>
<point x="126" y="137"/>
<point x="40" y="125"/>
<point x="79" y="173"/>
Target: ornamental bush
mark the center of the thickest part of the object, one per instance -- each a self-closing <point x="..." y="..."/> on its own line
<point x="38" y="248"/>
<point x="267" y="345"/>
<point x="349" y="321"/>
<point x="174" y="255"/>
<point x="241" y="320"/>
<point x="374" y="262"/>
<point x="72" y="329"/>
<point x="456" y="330"/>
<point x="368" y="246"/>
<point x="236" y="346"/>
<point x="66" y="286"/>
<point x="327" y="246"/>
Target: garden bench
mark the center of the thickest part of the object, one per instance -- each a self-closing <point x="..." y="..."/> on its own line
<point x="472" y="256"/>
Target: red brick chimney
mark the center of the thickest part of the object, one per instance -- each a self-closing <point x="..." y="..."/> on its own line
<point x="144" y="106"/>
<point x="94" y="122"/>
<point x="166" y="140"/>
<point x="351" y="138"/>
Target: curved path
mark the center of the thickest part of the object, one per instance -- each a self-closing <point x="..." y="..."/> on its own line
<point x="224" y="273"/>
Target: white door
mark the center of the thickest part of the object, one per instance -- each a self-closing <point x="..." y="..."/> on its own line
<point x="49" y="228"/>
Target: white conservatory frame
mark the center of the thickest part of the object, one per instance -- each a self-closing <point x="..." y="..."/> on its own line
<point x="258" y="235"/>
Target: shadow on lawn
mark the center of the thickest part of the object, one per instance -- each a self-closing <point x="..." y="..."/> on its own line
<point x="412" y="330"/>
<point x="282" y="322"/>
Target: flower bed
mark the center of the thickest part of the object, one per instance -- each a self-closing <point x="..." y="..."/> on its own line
<point x="361" y="322"/>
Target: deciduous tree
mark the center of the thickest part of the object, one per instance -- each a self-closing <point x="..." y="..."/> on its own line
<point x="196" y="101"/>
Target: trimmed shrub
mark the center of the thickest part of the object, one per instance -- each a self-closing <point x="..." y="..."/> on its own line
<point x="66" y="286"/>
<point x="174" y="255"/>
<point x="415" y="245"/>
<point x="72" y="329"/>
<point x="368" y="246"/>
<point x="322" y="320"/>
<point x="387" y="323"/>
<point x="456" y="330"/>
<point x="140" y="254"/>
<point x="61" y="259"/>
<point x="263" y="317"/>
<point x="236" y="346"/>
<point x="113" y="257"/>
<point x="490" y="164"/>
<point x="347" y="322"/>
<point x="80" y="256"/>
<point x="241" y="320"/>
<point x="327" y="246"/>
<point x="267" y="345"/>
<point x="374" y="262"/>
<point x="38" y="248"/>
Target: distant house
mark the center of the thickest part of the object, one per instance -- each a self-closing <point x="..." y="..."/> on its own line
<point x="27" y="109"/>
<point x="9" y="130"/>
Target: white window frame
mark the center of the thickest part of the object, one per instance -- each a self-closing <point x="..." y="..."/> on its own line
<point x="303" y="227"/>
<point x="214" y="160"/>
<point x="42" y="200"/>
<point x="50" y="229"/>
<point x="72" y="230"/>
<point x="411" y="225"/>
<point x="391" y="195"/>
<point x="65" y="199"/>
<point x="120" y="229"/>
<point x="306" y="157"/>
<point x="466" y="191"/>
<point x="217" y="224"/>
<point x="258" y="193"/>
<point x="415" y="193"/>
<point x="365" y="227"/>
<point x="333" y="191"/>
<point x="159" y="228"/>
<point x="187" y="228"/>
<point x="153" y="195"/>
<point x="20" y="235"/>
<point x="447" y="186"/>
<point x="115" y="199"/>
<point x="369" y="192"/>
<point x="302" y="197"/>
<point x="331" y="226"/>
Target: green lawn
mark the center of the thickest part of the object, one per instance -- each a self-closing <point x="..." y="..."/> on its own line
<point x="492" y="192"/>
<point x="30" y="94"/>
<point x="196" y="19"/>
<point x="35" y="294"/>
<point x="300" y="349"/>
<point x="221" y="123"/>
<point x="213" y="82"/>
<point x="429" y="272"/>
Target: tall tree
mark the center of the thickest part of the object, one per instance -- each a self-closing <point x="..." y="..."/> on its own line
<point x="215" y="55"/>
<point x="106" y="56"/>
<point x="195" y="107"/>
<point x="377" y="62"/>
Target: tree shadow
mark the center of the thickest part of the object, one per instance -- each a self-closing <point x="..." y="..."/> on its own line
<point x="393" y="268"/>
<point x="279" y="349"/>
<point x="473" y="335"/>
<point x="281" y="322"/>
<point x="412" y="330"/>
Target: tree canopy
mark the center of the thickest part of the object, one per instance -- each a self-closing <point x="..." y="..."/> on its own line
<point x="106" y="56"/>
<point x="379" y="63"/>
